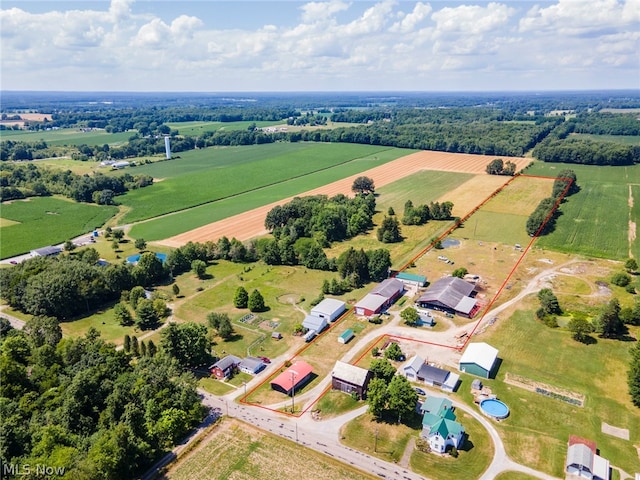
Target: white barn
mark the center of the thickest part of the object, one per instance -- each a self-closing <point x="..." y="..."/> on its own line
<point x="329" y="309"/>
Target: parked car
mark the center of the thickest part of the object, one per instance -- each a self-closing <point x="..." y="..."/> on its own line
<point x="265" y="359"/>
<point x="419" y="391"/>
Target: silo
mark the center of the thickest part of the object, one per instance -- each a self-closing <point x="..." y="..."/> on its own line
<point x="167" y="147"/>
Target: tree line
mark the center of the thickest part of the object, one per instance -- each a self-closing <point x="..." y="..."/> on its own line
<point x="83" y="406"/>
<point x="542" y="219"/>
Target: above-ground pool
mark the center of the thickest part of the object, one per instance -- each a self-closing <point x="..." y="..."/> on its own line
<point x="134" y="258"/>
<point x="494" y="408"/>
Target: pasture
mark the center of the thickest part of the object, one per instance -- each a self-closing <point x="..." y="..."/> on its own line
<point x="236" y="450"/>
<point x="595" y="221"/>
<point x="196" y="128"/>
<point x="47" y="221"/>
<point x="622" y="139"/>
<point x="67" y="136"/>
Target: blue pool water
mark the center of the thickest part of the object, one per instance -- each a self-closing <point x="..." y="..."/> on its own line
<point x="134" y="258"/>
<point x="494" y="408"/>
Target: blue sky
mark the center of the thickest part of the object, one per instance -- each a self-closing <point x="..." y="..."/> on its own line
<point x="337" y="45"/>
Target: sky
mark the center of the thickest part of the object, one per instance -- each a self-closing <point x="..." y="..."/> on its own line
<point x="335" y="45"/>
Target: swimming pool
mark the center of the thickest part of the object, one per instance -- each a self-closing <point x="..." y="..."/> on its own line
<point x="134" y="258"/>
<point x="494" y="408"/>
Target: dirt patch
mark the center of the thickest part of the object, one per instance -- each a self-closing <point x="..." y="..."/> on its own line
<point x="551" y="391"/>
<point x="632" y="231"/>
<point x="250" y="224"/>
<point x="622" y="433"/>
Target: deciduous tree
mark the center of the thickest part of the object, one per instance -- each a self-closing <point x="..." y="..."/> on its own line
<point x="410" y="316"/>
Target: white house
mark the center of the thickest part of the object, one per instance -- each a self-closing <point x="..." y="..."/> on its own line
<point x="439" y="425"/>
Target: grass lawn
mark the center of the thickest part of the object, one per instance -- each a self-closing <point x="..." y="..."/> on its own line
<point x="334" y="403"/>
<point x="213" y="386"/>
<point x="47" y="221"/>
<point x="392" y="438"/>
<point x="594" y="221"/>
<point x="538" y="427"/>
<point x="235" y="450"/>
<point x="514" y="476"/>
<point x="473" y="459"/>
<point x="202" y="176"/>
<point x="68" y="136"/>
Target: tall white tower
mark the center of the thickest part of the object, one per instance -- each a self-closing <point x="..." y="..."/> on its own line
<point x="167" y="147"/>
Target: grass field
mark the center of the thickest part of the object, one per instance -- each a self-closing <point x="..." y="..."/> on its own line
<point x="68" y="136"/>
<point x="161" y="228"/>
<point x="239" y="451"/>
<point x="623" y="139"/>
<point x="47" y="221"/>
<point x="193" y="129"/>
<point x="211" y="174"/>
<point x="538" y="427"/>
<point x="594" y="221"/>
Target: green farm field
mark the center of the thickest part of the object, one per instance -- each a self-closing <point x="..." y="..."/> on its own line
<point x="196" y="128"/>
<point x="595" y="221"/>
<point x="47" y="221"/>
<point x="254" y="189"/>
<point x="68" y="136"/>
<point x="622" y="139"/>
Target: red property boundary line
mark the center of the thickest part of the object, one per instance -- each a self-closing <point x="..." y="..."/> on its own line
<point x="486" y="309"/>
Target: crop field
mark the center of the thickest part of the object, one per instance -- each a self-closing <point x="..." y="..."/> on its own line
<point x="196" y="128"/>
<point x="236" y="450"/>
<point x="68" y="136"/>
<point x="623" y="139"/>
<point x="215" y="173"/>
<point x="595" y="221"/>
<point x="47" y="221"/>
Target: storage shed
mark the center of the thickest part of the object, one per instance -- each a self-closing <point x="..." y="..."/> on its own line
<point x="479" y="359"/>
<point x="311" y="322"/>
<point x="346" y="336"/>
<point x="329" y="309"/>
<point x="411" y="279"/>
<point x="349" y="379"/>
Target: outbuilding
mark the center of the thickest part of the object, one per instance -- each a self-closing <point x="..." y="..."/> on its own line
<point x="311" y="322"/>
<point x="346" y="336"/>
<point x="251" y="365"/>
<point x="48" y="251"/>
<point x="293" y="378"/>
<point x="350" y="379"/>
<point x="380" y="298"/>
<point x="479" y="359"/>
<point x="451" y="295"/>
<point x="583" y="460"/>
<point x="411" y="279"/>
<point x="370" y="304"/>
<point x="329" y="309"/>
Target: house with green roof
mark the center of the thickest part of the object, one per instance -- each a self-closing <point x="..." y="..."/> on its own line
<point x="439" y="425"/>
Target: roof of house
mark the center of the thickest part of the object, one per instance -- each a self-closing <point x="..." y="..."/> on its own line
<point x="414" y="364"/>
<point x="293" y="375"/>
<point x="580" y="454"/>
<point x="445" y="427"/>
<point x="411" y="277"/>
<point x="226" y="362"/>
<point x="350" y="373"/>
<point x="347" y="334"/>
<point x="434" y="374"/>
<point x="452" y="380"/>
<point x="448" y="291"/>
<point x="45" y="251"/>
<point x="573" y="439"/>
<point x="251" y="363"/>
<point x="436" y="406"/>
<point x="600" y="467"/>
<point x="482" y="354"/>
<point x="314" y="323"/>
<point x="371" y="302"/>
<point x="329" y="306"/>
<point x="388" y="288"/>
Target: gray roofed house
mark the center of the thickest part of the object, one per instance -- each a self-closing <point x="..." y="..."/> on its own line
<point x="350" y="379"/>
<point x="412" y="367"/>
<point x="449" y="294"/>
<point x="417" y="370"/>
<point x="251" y="365"/>
<point x="224" y="367"/>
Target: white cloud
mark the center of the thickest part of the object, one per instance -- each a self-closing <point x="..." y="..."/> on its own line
<point x="314" y="12"/>
<point x="472" y="19"/>
<point x="411" y="20"/>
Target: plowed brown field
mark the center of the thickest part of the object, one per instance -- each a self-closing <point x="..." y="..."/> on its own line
<point x="250" y="224"/>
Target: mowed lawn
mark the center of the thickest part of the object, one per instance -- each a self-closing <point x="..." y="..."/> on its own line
<point x="538" y="427"/>
<point x="47" y="221"/>
<point x="68" y="136"/>
<point x="595" y="220"/>
<point x="255" y="196"/>
<point x="235" y="450"/>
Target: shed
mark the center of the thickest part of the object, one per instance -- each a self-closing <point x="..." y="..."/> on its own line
<point x="276" y="335"/>
<point x="349" y="379"/>
<point x="479" y="359"/>
<point x="46" y="251"/>
<point x="251" y="365"/>
<point x="293" y="378"/>
<point x="311" y="322"/>
<point x="346" y="336"/>
<point x="411" y="279"/>
<point x="329" y="309"/>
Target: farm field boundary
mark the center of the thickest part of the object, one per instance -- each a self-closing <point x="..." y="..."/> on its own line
<point x="250" y="224"/>
<point x="476" y="324"/>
